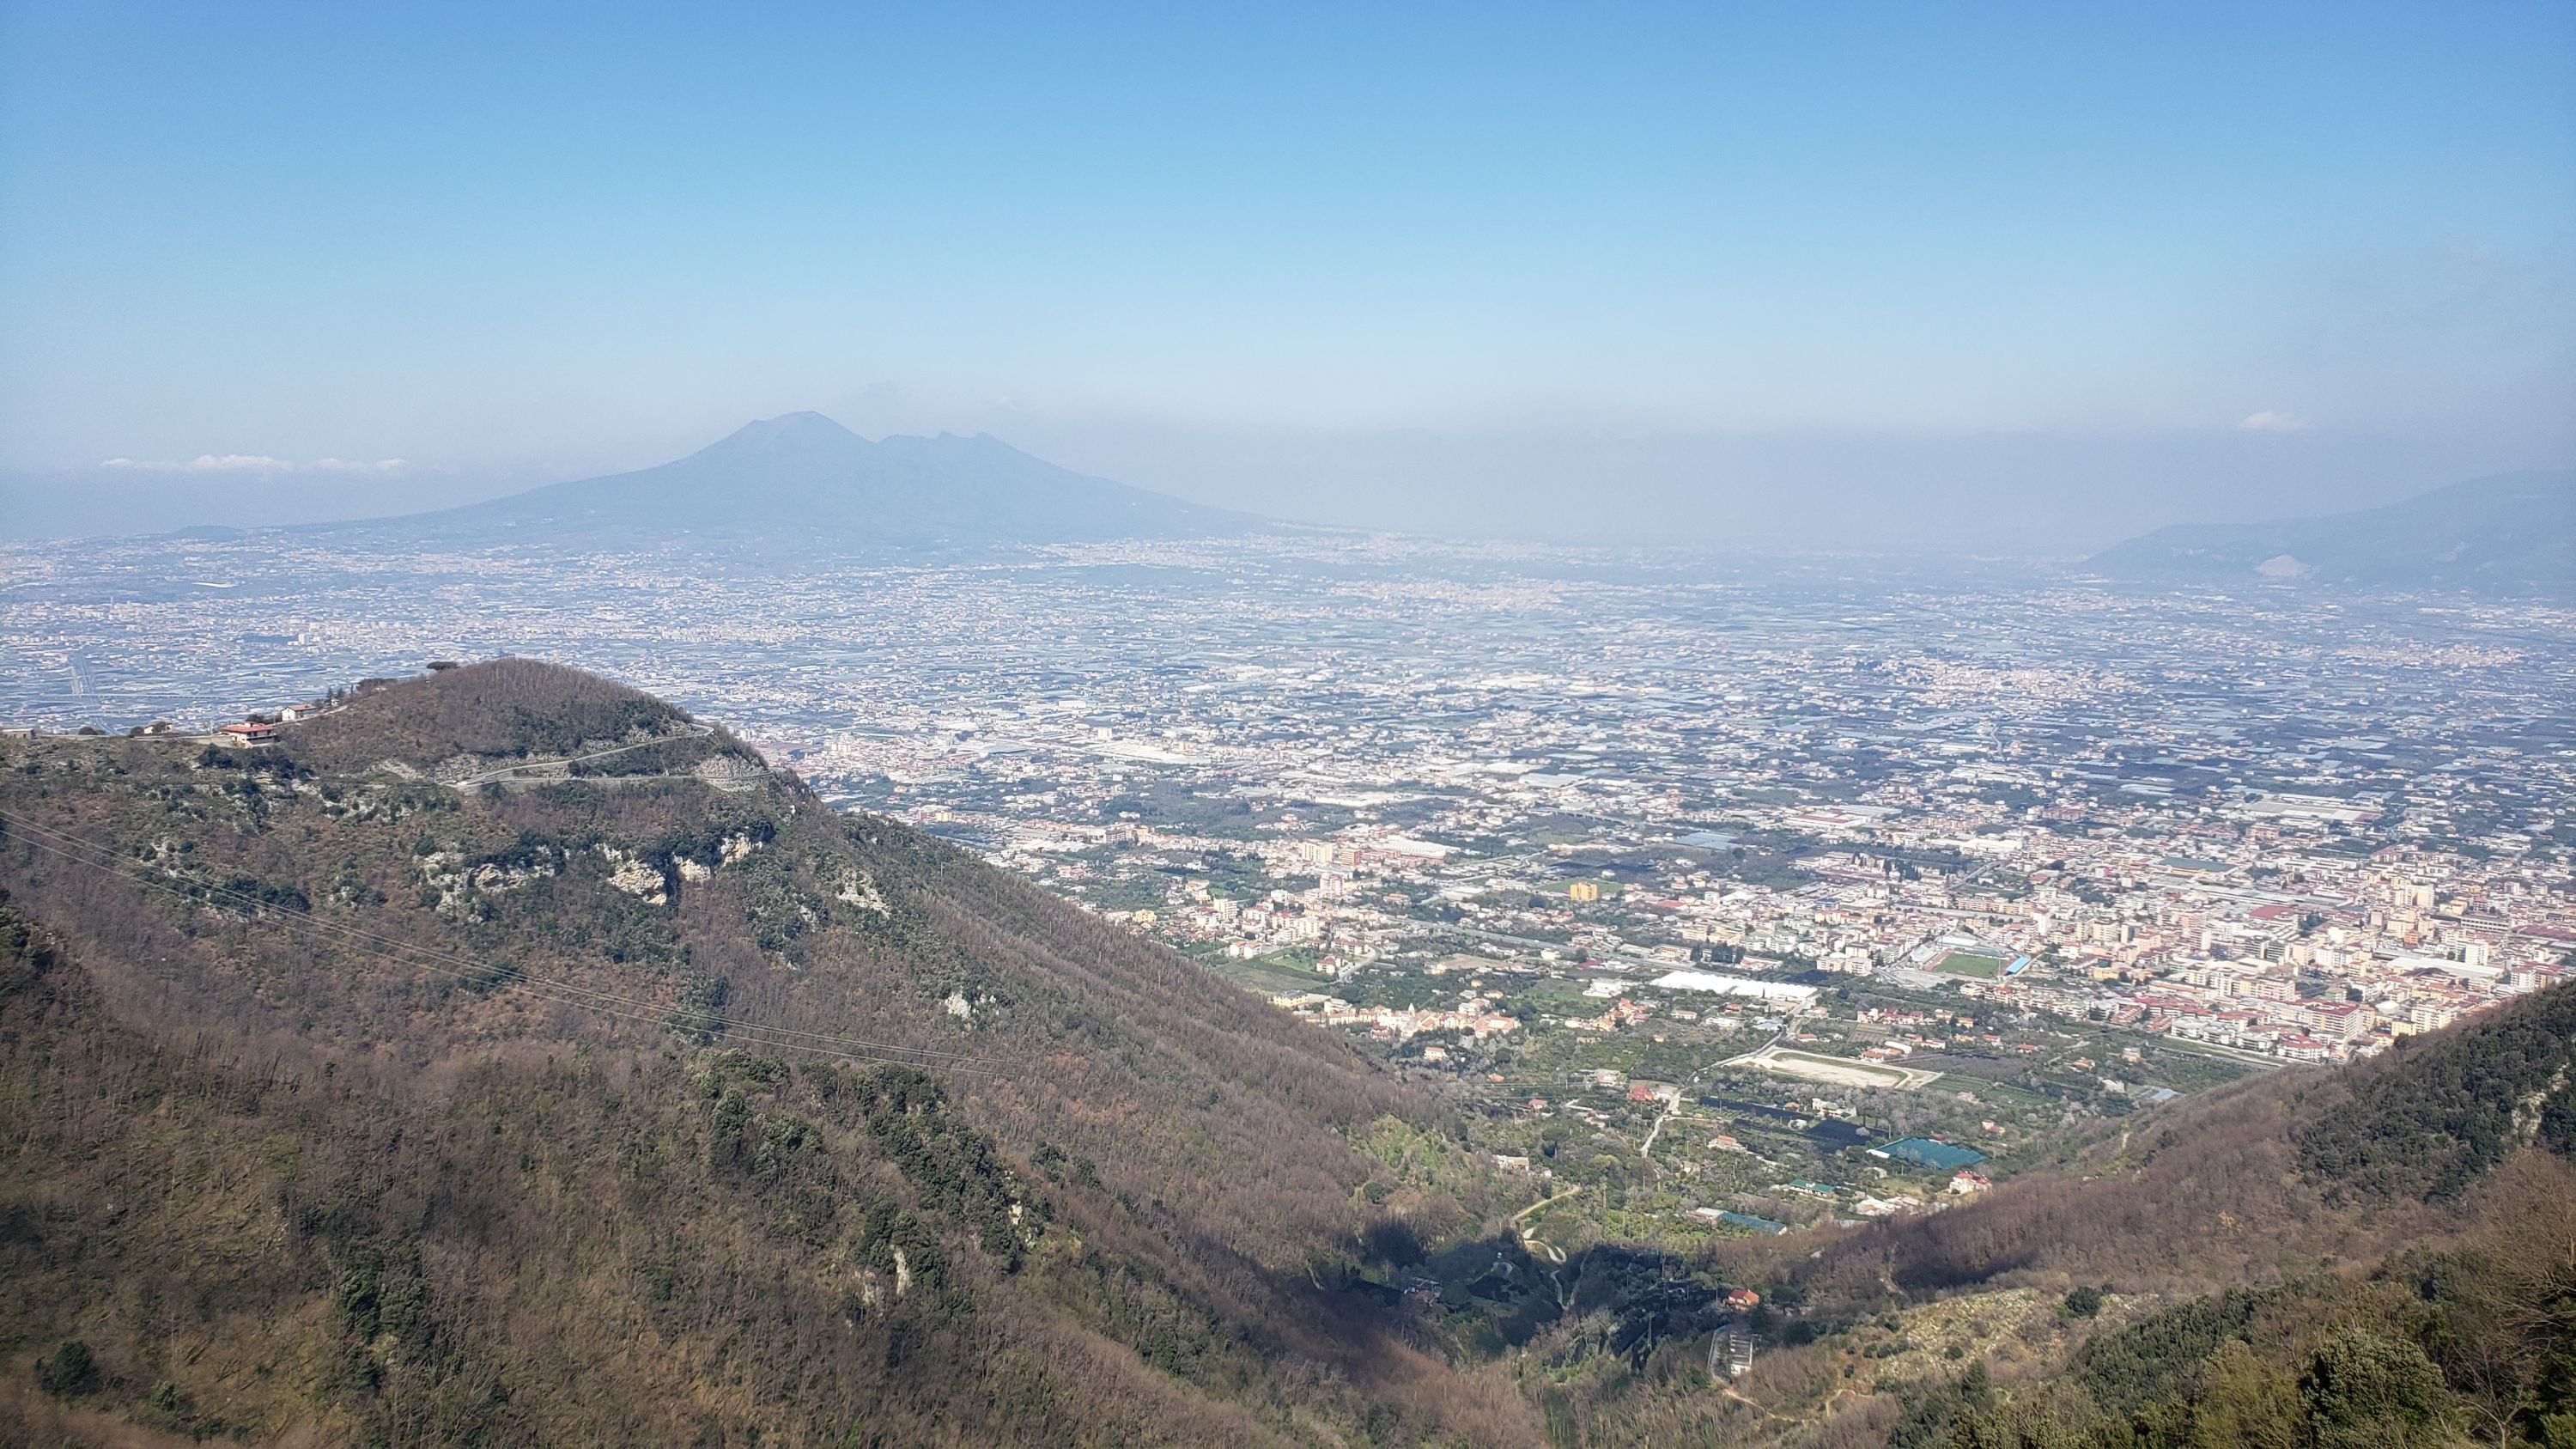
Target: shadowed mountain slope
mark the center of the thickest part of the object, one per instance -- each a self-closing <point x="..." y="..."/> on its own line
<point x="409" y="1083"/>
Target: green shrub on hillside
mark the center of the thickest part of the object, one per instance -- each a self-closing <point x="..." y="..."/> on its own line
<point x="2435" y="1115"/>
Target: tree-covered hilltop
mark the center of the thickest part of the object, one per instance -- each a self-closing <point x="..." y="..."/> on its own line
<point x="2440" y="1111"/>
<point x="2469" y="1339"/>
<point x="498" y="709"/>
<point x="354" y="1106"/>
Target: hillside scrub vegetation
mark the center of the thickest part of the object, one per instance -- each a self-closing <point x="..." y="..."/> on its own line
<point x="2473" y="1341"/>
<point x="2439" y="1112"/>
<point x="496" y="709"/>
<point x="2245" y="1286"/>
<point x="350" y="1107"/>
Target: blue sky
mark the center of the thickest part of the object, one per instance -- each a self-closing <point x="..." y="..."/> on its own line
<point x="535" y="240"/>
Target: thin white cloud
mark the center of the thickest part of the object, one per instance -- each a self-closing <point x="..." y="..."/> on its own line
<point x="2271" y="422"/>
<point x="205" y="463"/>
<point x="253" y="463"/>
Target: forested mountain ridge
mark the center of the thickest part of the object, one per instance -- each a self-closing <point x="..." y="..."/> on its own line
<point x="2513" y="535"/>
<point x="2435" y="1117"/>
<point x="507" y="1058"/>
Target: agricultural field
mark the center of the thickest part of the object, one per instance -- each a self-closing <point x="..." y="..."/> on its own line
<point x="1837" y="1071"/>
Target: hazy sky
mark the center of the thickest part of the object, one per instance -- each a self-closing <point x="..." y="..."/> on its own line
<point x="1313" y="258"/>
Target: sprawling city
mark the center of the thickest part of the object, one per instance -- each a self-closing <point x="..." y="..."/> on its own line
<point x="1741" y="902"/>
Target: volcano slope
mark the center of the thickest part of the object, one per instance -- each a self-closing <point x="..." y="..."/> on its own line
<point x="506" y="1058"/>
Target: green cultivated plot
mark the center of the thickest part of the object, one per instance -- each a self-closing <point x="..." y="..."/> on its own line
<point x="1270" y="977"/>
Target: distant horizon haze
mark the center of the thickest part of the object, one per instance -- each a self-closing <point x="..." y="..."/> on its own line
<point x="2007" y="276"/>
<point x="2009" y="495"/>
